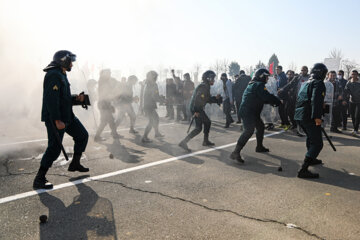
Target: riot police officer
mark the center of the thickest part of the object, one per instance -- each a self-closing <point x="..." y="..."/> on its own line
<point x="59" y="118"/>
<point x="308" y="113"/>
<point x="199" y="99"/>
<point x="254" y="98"/>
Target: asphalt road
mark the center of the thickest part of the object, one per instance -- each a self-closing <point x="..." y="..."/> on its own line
<point x="158" y="191"/>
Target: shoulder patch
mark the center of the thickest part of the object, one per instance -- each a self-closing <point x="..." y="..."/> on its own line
<point x="55" y="88"/>
<point x="265" y="88"/>
<point x="323" y="94"/>
<point x="202" y="96"/>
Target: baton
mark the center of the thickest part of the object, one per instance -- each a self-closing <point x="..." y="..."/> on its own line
<point x="329" y="140"/>
<point x="192" y="119"/>
<point x="58" y="140"/>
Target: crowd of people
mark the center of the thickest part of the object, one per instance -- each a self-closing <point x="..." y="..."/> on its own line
<point x="299" y="101"/>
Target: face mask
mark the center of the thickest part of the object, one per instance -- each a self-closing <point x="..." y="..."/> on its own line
<point x="340" y="77"/>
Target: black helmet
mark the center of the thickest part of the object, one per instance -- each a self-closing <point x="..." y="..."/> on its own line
<point x="261" y="74"/>
<point x="208" y="76"/>
<point x="64" y="58"/>
<point x="319" y="71"/>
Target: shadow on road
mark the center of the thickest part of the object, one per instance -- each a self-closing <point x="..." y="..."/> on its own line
<point x="122" y="153"/>
<point x="88" y="217"/>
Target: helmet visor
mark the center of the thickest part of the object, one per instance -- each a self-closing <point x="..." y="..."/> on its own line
<point x="72" y="57"/>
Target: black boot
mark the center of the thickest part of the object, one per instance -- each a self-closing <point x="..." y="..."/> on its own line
<point x="304" y="172"/>
<point x="40" y="181"/>
<point x="236" y="154"/>
<point x="206" y="141"/>
<point x="183" y="144"/>
<point x="261" y="149"/>
<point x="75" y="164"/>
<point x="315" y="162"/>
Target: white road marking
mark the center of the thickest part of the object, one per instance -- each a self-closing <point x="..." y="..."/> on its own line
<point x="45" y="139"/>
<point x="119" y="172"/>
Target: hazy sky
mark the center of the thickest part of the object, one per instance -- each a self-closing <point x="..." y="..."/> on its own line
<point x="140" y="34"/>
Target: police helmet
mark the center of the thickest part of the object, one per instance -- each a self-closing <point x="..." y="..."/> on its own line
<point x="208" y="76"/>
<point x="64" y="58"/>
<point x="319" y="71"/>
<point x="261" y="74"/>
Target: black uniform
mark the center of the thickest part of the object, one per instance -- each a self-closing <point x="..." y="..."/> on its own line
<point x="57" y="105"/>
<point x="199" y="99"/>
<point x="309" y="106"/>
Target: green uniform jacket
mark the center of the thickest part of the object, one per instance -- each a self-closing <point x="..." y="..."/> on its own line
<point x="310" y="101"/>
<point x="57" y="100"/>
<point x="201" y="96"/>
<point x="254" y="98"/>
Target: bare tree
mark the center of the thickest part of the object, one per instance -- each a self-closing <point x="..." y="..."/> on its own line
<point x="348" y="66"/>
<point x="224" y="65"/>
<point x="217" y="67"/>
<point x="336" y="53"/>
<point x="260" y="64"/>
<point x="292" y="67"/>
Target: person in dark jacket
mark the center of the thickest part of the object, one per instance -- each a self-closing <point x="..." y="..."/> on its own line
<point x="254" y="98"/>
<point x="352" y="90"/>
<point x="199" y="99"/>
<point x="338" y="102"/>
<point x="58" y="116"/>
<point x="188" y="90"/>
<point x="239" y="87"/>
<point x="288" y="95"/>
<point x="179" y="98"/>
<point x="308" y="113"/>
<point x="170" y="97"/>
<point x="151" y="97"/>
<point x="345" y="106"/>
<point x="228" y="99"/>
<point x="281" y="82"/>
<point x="106" y="87"/>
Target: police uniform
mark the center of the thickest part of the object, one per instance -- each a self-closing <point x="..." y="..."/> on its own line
<point x="309" y="106"/>
<point x="57" y="105"/>
<point x="201" y="96"/>
<point x="254" y="98"/>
